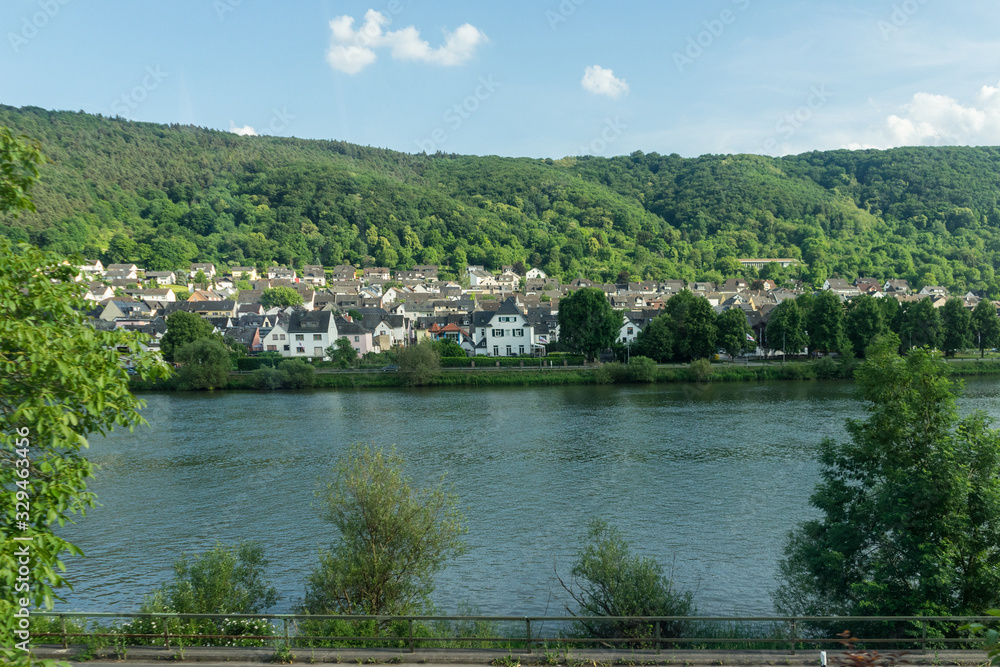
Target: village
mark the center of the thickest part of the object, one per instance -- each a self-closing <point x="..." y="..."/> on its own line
<point x="493" y="315"/>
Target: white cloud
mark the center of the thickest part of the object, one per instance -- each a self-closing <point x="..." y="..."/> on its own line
<point x="352" y="50"/>
<point x="932" y="120"/>
<point x="601" y="81"/>
<point x="245" y="131"/>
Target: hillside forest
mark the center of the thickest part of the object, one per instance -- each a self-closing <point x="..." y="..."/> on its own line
<point x="166" y="195"/>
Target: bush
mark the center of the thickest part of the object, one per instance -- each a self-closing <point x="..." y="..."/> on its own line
<point x="642" y="369"/>
<point x="700" y="369"/>
<point x="420" y="362"/>
<point x="269" y="378"/>
<point x="610" y="373"/>
<point x="608" y="580"/>
<point x="224" y="580"/>
<point x="827" y="369"/>
<point x="300" y="374"/>
<point x="206" y="364"/>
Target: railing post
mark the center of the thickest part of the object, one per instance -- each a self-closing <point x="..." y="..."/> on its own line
<point x="791" y="627"/>
<point x="166" y="632"/>
<point x="658" y="643"/>
<point x="62" y="628"/>
<point x="923" y="637"/>
<point x="287" y="641"/>
<point x="527" y="631"/>
<point x="412" y="648"/>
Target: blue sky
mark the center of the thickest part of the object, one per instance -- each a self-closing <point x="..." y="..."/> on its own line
<point x="546" y="78"/>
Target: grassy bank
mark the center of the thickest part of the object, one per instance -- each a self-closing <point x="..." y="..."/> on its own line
<point x="613" y="373"/>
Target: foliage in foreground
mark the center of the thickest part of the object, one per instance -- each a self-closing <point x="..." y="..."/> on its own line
<point x="910" y="504"/>
<point x="223" y="580"/>
<point x="390" y="540"/>
<point x="609" y="580"/>
<point x="60" y="381"/>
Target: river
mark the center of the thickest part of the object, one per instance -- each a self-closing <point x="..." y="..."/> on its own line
<point x="707" y="479"/>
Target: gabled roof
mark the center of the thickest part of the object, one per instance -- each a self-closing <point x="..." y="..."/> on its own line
<point x="310" y="321"/>
<point x="509" y="307"/>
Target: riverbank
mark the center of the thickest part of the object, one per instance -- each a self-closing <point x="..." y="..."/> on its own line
<point x="612" y="373"/>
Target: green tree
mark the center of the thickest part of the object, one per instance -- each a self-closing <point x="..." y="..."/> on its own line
<point x="825" y="323"/>
<point x="183" y="328"/>
<point x="224" y="580"/>
<point x="786" y="330"/>
<point x="955" y="323"/>
<point x="342" y="353"/>
<point x="864" y="322"/>
<point x="921" y="325"/>
<point x="695" y="332"/>
<point x="734" y="332"/>
<point x="298" y="373"/>
<point x="656" y="341"/>
<point x="985" y="326"/>
<point x="281" y="297"/>
<point x="609" y="580"/>
<point x="206" y="364"/>
<point x="391" y="538"/>
<point x="449" y="348"/>
<point x="587" y="322"/>
<point x="421" y="363"/>
<point x="20" y="158"/>
<point x="910" y="504"/>
<point x="201" y="279"/>
<point x="60" y="381"/>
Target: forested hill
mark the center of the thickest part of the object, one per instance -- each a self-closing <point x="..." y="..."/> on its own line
<point x="167" y="195"/>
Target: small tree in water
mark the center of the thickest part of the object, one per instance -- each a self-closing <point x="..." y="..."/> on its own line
<point x="390" y="541"/>
<point x="609" y="580"/>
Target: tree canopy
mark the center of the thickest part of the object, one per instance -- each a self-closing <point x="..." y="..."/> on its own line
<point x="587" y="322"/>
<point x="926" y="214"/>
<point x="60" y="381"/>
<point x="910" y="504"/>
<point x="390" y="538"/>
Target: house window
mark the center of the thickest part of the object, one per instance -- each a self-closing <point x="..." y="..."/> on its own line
<point x="630" y="331"/>
<point x="286" y="348"/>
<point x="496" y="351"/>
<point x="272" y="348"/>
<point x="317" y="336"/>
<point x="498" y="333"/>
<point x="317" y="352"/>
<point x="509" y="353"/>
<point x="518" y="333"/>
<point x="521" y="350"/>
<point x="483" y="333"/>
<point x="281" y="336"/>
<point x="300" y="337"/>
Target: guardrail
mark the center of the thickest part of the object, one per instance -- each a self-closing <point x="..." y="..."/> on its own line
<point x="791" y="632"/>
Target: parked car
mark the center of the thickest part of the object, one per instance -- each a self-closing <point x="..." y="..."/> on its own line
<point x="391" y="368"/>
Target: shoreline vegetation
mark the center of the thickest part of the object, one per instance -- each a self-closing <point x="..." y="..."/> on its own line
<point x="699" y="371"/>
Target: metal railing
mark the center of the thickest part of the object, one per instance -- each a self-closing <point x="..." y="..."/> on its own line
<point x="791" y="632"/>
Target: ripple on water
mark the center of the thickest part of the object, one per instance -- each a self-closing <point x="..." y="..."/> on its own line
<point x="707" y="480"/>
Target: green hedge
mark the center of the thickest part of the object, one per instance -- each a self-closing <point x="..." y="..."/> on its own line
<point x="253" y="363"/>
<point x="506" y="362"/>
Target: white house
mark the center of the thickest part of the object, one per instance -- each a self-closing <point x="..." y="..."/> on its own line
<point x="535" y="274"/>
<point x="207" y="269"/>
<point x="505" y="332"/>
<point x="162" y="277"/>
<point x="308" y="334"/>
<point x="629" y="331"/>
